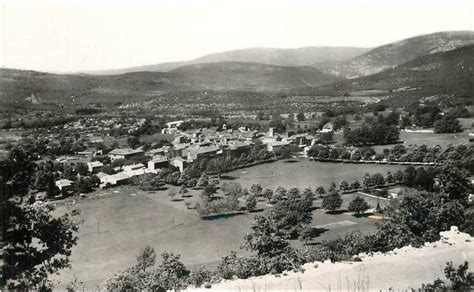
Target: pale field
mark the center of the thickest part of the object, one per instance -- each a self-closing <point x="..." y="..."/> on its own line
<point x="118" y="222"/>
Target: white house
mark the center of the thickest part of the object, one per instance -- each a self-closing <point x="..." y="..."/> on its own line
<point x="273" y="146"/>
<point x="329" y="127"/>
<point x="135" y="169"/>
<point x="94" y="166"/>
<point x="179" y="163"/>
<point x="171" y="127"/>
<point x="114" y="179"/>
<point x="64" y="184"/>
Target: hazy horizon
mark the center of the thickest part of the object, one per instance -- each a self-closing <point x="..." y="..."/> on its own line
<point x="81" y="37"/>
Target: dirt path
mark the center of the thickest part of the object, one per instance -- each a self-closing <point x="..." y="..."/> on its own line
<point x="400" y="269"/>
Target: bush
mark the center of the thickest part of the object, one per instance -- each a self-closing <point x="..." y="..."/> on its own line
<point x="460" y="279"/>
<point x="171" y="274"/>
<point x="200" y="276"/>
<point x="251" y="202"/>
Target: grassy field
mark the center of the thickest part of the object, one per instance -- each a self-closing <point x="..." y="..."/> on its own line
<point x="117" y="223"/>
<point x="305" y="173"/>
<point x="429" y="139"/>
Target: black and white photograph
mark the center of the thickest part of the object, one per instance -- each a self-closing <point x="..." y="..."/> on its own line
<point x="237" y="145"/>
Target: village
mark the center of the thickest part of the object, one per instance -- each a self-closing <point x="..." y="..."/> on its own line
<point x="186" y="148"/>
<point x="166" y="146"/>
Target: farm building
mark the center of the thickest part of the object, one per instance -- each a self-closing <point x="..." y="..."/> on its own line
<point x="125" y="153"/>
<point x="158" y="163"/>
<point x="94" y="166"/>
<point x="64" y="184"/>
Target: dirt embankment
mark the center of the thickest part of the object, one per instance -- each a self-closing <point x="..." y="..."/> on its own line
<point x="400" y="269"/>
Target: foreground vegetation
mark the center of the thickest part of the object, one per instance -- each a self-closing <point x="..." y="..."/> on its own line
<point x="418" y="217"/>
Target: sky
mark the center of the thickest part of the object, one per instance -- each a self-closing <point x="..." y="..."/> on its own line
<point x="72" y="36"/>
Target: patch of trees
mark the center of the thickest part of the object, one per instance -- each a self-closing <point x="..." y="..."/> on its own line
<point x="37" y="148"/>
<point x="149" y="182"/>
<point x="458" y="112"/>
<point x="171" y="274"/>
<point x="220" y="165"/>
<point x="340" y="122"/>
<point x="377" y="133"/>
<point x="325" y="152"/>
<point x="198" y="124"/>
<point x="293" y="211"/>
<point x="22" y="174"/>
<point x="325" y="138"/>
<point x="422" y="153"/>
<point x="287" y="151"/>
<point x="300" y="117"/>
<point x="278" y="125"/>
<point x="447" y="124"/>
<point x="430" y="116"/>
<point x="38" y="122"/>
<point x="88" y="111"/>
<point x="424" y="115"/>
<point x="226" y="202"/>
<point x="417" y="218"/>
<point x="399" y="153"/>
<point x="378" y="107"/>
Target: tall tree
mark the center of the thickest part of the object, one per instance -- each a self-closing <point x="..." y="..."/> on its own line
<point x="358" y="205"/>
<point x="37" y="244"/>
<point x="454" y="181"/>
<point x="266" y="237"/>
<point x="332" y="201"/>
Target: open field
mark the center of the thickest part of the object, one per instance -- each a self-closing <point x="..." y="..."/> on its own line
<point x="412" y="138"/>
<point x="305" y="173"/>
<point x="429" y="139"/>
<point x="117" y="223"/>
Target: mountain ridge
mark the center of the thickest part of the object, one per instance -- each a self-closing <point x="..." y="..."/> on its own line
<point x="24" y="86"/>
<point x="396" y="53"/>
<point x="304" y="56"/>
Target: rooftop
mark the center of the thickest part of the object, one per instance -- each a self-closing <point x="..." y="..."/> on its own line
<point x="125" y="151"/>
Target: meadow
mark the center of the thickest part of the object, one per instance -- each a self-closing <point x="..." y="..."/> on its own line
<point x="117" y="223"/>
<point x="305" y="173"/>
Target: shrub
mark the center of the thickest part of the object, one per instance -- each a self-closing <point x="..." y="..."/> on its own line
<point x="200" y="276"/>
<point x="251" y="202"/>
<point x="460" y="279"/>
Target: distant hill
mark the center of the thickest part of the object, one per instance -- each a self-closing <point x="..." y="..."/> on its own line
<point x="307" y="56"/>
<point x="397" y="53"/>
<point x="31" y="88"/>
<point x="443" y="72"/>
<point x="251" y="76"/>
<point x="449" y="73"/>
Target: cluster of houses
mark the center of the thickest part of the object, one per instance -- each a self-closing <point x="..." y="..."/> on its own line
<point x="90" y="125"/>
<point x="190" y="146"/>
